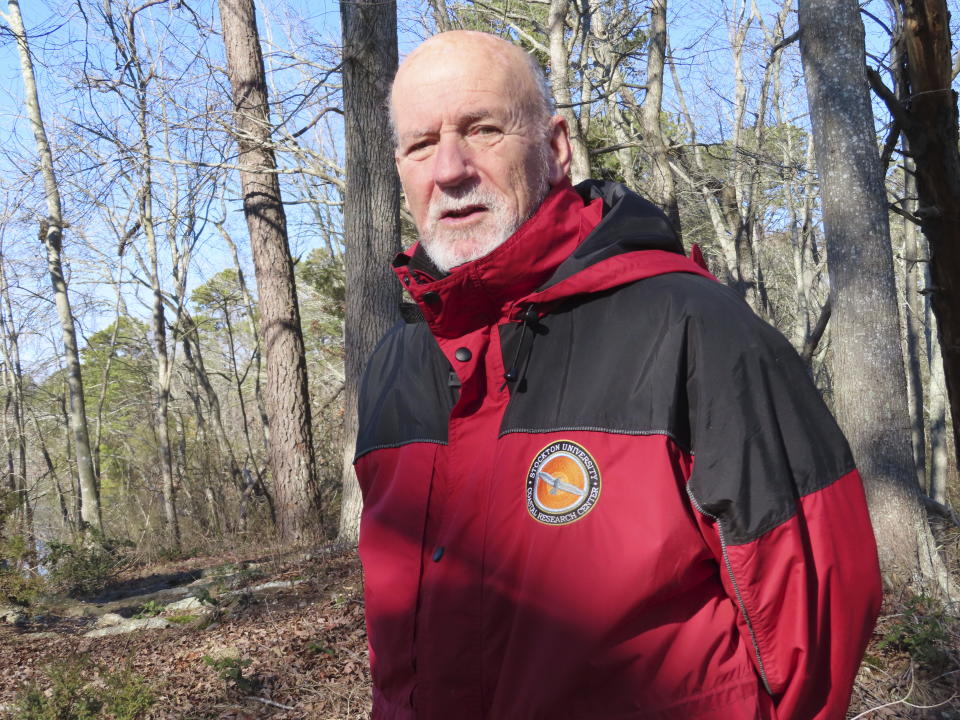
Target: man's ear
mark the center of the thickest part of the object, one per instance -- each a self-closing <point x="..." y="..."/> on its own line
<point x="403" y="193"/>
<point x="558" y="136"/>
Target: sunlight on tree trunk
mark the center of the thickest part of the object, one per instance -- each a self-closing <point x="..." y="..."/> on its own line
<point x="51" y="235"/>
<point x="870" y="391"/>
<point x="288" y="406"/>
<point x="371" y="212"/>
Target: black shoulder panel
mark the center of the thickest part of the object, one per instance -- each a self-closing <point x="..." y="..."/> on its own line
<point x="612" y="361"/>
<point x="762" y="435"/>
<point x="683" y="356"/>
<point x="405" y="394"/>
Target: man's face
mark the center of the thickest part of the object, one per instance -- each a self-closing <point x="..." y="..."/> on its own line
<point x="474" y="158"/>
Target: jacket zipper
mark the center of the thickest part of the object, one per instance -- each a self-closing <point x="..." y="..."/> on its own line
<point x="736" y="588"/>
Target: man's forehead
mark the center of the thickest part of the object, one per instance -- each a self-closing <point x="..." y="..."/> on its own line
<point x="420" y="126"/>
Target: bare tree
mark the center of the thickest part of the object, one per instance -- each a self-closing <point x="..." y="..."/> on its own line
<point x="870" y="392"/>
<point x="371" y="211"/>
<point x="924" y="109"/>
<point x="661" y="184"/>
<point x="51" y="235"/>
<point x="288" y="405"/>
<point x="560" y="80"/>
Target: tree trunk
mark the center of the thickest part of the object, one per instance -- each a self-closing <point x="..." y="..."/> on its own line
<point x="288" y="408"/>
<point x="371" y="211"/>
<point x="728" y="271"/>
<point x="160" y="348"/>
<point x="929" y="121"/>
<point x="257" y="351"/>
<point x="440" y="15"/>
<point x="51" y="235"/>
<point x="869" y="385"/>
<point x="662" y="187"/>
<point x="13" y="380"/>
<point x="68" y="524"/>
<point x="940" y="444"/>
<point x="560" y="81"/>
<point x="913" y="326"/>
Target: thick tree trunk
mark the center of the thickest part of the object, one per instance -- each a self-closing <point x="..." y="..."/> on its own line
<point x="288" y="407"/>
<point x="371" y="211"/>
<point x="869" y="385"/>
<point x="51" y="235"/>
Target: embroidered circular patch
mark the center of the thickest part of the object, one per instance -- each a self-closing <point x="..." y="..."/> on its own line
<point x="563" y="484"/>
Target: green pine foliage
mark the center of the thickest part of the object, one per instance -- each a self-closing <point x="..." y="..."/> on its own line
<point x="75" y="689"/>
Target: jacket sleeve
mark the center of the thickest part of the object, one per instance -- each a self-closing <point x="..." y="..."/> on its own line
<point x="782" y="506"/>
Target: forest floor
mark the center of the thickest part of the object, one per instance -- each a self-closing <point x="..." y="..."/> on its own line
<point x="283" y="637"/>
<point x="292" y="652"/>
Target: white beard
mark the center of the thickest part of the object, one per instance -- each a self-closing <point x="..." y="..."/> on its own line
<point x="449" y="247"/>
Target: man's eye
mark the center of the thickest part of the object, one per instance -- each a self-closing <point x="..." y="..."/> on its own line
<point x="420" y="147"/>
<point x="485" y="133"/>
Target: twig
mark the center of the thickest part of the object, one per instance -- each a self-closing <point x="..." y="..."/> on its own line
<point x="944" y="511"/>
<point x="783" y="43"/>
<point x="271" y="703"/>
<point x="928" y="707"/>
<point x="913" y="679"/>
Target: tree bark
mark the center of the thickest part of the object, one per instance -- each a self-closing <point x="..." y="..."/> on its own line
<point x="371" y="211"/>
<point x="258" y="350"/>
<point x="51" y="235"/>
<point x="164" y="368"/>
<point x="929" y="120"/>
<point x="291" y="439"/>
<point x="869" y="385"/>
<point x="662" y="187"/>
<point x="560" y="81"/>
<point x="13" y="382"/>
<point x="440" y="15"/>
<point x="728" y="270"/>
<point x="913" y="327"/>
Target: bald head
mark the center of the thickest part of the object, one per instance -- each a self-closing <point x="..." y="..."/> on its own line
<point x="467" y="51"/>
<point x="477" y="150"/>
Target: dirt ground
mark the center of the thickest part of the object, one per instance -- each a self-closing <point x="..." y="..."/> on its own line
<point x="307" y="653"/>
<point x="306" y="646"/>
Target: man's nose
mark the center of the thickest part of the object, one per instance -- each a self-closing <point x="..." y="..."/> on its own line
<point x="453" y="162"/>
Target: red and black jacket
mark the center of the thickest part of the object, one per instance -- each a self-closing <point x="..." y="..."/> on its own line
<point x="597" y="486"/>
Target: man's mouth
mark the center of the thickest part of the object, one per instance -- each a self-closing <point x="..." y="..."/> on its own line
<point x="468" y="211"/>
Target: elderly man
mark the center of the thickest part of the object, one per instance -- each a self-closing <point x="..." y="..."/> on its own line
<point x="596" y="486"/>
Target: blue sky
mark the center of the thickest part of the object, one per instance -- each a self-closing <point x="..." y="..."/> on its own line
<point x="698" y="34"/>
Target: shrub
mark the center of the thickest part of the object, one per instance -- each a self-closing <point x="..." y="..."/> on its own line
<point x="19" y="589"/>
<point x="230" y="670"/>
<point x="81" y="570"/>
<point x="18" y="584"/>
<point x="77" y="690"/>
<point x="149" y="609"/>
<point x="922" y="630"/>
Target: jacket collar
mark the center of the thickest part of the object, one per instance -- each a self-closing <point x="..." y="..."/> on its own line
<point x="479" y="293"/>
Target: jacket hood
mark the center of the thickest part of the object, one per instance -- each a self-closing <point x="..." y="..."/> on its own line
<point x="587" y="238"/>
<point x="629" y="223"/>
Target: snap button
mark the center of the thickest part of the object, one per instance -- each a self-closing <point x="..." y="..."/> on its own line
<point x="438" y="553"/>
<point x="432" y="299"/>
<point x="463" y="354"/>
